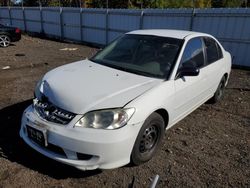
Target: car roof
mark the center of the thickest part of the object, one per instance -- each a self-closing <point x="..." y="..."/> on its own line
<point x="179" y="34"/>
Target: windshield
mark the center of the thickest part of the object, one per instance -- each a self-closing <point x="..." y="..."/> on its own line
<point x="146" y="55"/>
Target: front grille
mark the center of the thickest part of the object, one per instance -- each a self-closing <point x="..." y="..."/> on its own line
<point x="52" y="113"/>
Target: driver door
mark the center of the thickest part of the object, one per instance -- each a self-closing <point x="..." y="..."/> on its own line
<point x="190" y="90"/>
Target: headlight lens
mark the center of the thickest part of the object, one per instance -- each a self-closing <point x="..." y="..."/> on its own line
<point x="106" y="119"/>
<point x="37" y="89"/>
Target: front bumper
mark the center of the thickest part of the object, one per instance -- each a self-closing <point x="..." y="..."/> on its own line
<point x="104" y="149"/>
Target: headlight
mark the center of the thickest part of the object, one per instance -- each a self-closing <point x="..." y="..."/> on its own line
<point x="37" y="89"/>
<point x="106" y="119"/>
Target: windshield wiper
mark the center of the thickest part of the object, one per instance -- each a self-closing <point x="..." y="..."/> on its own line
<point x="146" y="74"/>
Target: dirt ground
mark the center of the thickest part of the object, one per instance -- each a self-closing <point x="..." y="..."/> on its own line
<point x="209" y="148"/>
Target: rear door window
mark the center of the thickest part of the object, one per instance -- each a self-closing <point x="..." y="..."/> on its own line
<point x="213" y="50"/>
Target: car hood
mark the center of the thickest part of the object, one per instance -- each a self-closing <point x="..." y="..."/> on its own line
<point x="84" y="86"/>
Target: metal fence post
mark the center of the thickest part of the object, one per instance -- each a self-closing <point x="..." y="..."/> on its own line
<point x="61" y="22"/>
<point x="141" y="19"/>
<point x="24" y="20"/>
<point x="192" y="20"/>
<point x="107" y="26"/>
<point x="41" y="19"/>
<point x="10" y="16"/>
<point x="81" y="29"/>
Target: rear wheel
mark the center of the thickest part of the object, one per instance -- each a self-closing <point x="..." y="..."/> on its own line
<point x="148" y="139"/>
<point x="219" y="92"/>
<point x="4" y="40"/>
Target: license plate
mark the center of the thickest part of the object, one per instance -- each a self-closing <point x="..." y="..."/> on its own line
<point x="38" y="136"/>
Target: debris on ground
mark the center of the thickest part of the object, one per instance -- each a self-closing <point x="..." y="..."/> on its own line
<point x="6" y="67"/>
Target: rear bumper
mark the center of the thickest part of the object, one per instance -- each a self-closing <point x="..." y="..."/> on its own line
<point x="106" y="148"/>
<point x="16" y="37"/>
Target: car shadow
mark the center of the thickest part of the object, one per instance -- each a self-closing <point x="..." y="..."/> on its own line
<point x="10" y="45"/>
<point x="14" y="149"/>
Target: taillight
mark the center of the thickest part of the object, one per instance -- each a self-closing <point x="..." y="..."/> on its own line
<point x="18" y="30"/>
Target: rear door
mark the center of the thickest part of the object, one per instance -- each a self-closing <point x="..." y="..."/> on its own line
<point x="213" y="64"/>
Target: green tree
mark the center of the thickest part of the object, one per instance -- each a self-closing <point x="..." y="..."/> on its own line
<point x="111" y="3"/>
<point x="227" y="3"/>
<point x="233" y="3"/>
<point x="3" y="2"/>
<point x="30" y="3"/>
<point x="136" y="3"/>
<point x="217" y="3"/>
<point x="170" y="3"/>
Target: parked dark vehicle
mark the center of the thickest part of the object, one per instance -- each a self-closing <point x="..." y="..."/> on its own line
<point x="8" y="35"/>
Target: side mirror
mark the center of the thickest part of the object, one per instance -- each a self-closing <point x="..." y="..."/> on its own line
<point x="188" y="71"/>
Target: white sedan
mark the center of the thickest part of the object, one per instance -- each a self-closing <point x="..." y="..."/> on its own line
<point x="113" y="109"/>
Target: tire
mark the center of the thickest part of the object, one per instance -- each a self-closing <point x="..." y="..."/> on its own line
<point x="219" y="92"/>
<point x="148" y="139"/>
<point x="4" y="40"/>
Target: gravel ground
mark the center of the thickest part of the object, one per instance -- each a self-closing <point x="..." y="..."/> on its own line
<point x="209" y="148"/>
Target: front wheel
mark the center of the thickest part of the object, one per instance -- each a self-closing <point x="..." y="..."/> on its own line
<point x="148" y="139"/>
<point x="4" y="40"/>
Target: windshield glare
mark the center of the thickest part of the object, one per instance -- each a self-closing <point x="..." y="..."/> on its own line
<point x="141" y="54"/>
